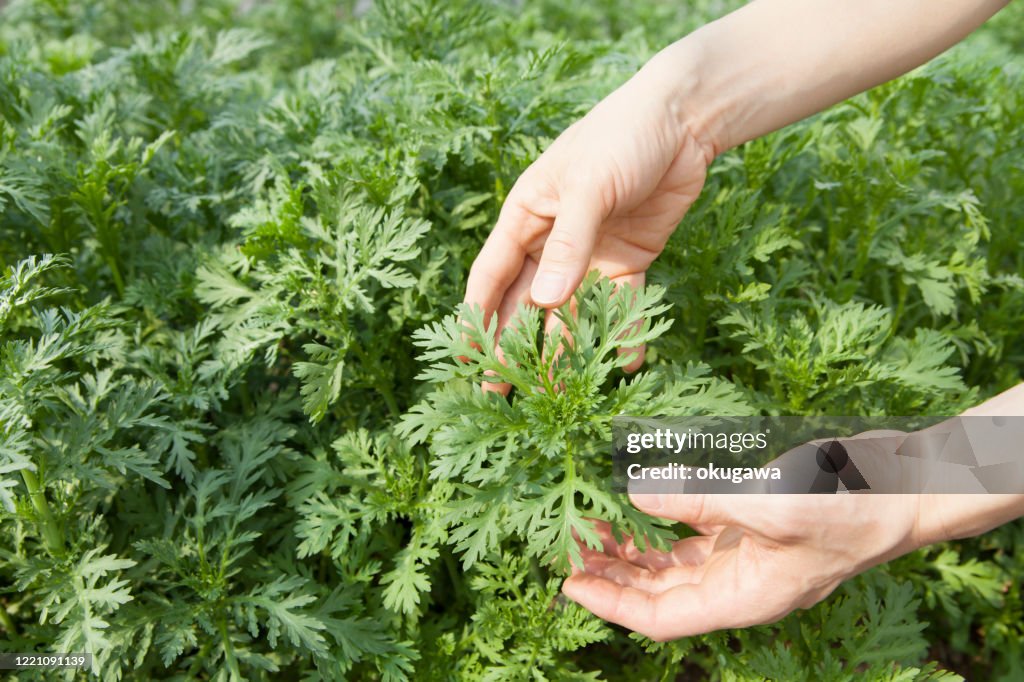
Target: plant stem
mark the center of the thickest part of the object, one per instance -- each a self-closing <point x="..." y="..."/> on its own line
<point x="453" y="575"/>
<point x="52" y="535"/>
<point x="385" y="391"/>
<point x="229" y="650"/>
<point x="8" y="623"/>
<point x="569" y="494"/>
<point x="116" y="273"/>
<point x="901" y="300"/>
<point x="243" y="392"/>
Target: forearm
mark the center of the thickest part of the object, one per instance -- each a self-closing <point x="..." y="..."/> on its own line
<point x="948" y="517"/>
<point x="774" y="62"/>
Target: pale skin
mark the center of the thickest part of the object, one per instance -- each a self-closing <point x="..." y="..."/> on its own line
<point x="759" y="557"/>
<point x="608" y="194"/>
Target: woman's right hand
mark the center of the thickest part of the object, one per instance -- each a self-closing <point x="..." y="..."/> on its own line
<point x="606" y="195"/>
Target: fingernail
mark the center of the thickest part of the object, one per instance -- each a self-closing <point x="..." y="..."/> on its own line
<point x="547" y="288"/>
<point x="646" y="501"/>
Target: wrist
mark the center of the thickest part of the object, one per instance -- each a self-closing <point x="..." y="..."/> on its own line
<point x="677" y="81"/>
<point x="929" y="527"/>
<point x="952" y="517"/>
<point x="955" y="517"/>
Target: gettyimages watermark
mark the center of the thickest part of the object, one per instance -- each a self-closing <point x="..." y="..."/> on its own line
<point x="786" y="455"/>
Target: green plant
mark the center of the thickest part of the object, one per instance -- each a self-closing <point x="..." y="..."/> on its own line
<point x="236" y="437"/>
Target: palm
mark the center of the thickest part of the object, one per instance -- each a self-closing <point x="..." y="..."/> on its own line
<point x="756" y="560"/>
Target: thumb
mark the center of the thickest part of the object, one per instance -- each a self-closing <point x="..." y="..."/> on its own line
<point x="567" y="252"/>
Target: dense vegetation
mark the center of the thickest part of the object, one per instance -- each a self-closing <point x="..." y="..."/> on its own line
<point x="234" y="443"/>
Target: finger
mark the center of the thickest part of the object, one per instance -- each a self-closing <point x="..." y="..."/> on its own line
<point x="681" y="611"/>
<point x="567" y="251"/>
<point x="518" y="293"/>
<point x="500" y="259"/>
<point x="630" y="575"/>
<point x="609" y="545"/>
<point x="635" y="281"/>
<point x="702" y="510"/>
<point x="706" y="528"/>
<point x="721" y="599"/>
<point x="635" y="609"/>
<point x="691" y="551"/>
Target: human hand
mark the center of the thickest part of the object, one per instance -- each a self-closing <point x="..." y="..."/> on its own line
<point x="607" y="194"/>
<point x="759" y="558"/>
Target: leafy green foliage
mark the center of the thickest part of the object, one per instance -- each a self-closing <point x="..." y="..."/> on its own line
<point x="240" y="434"/>
<point x="538" y="466"/>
